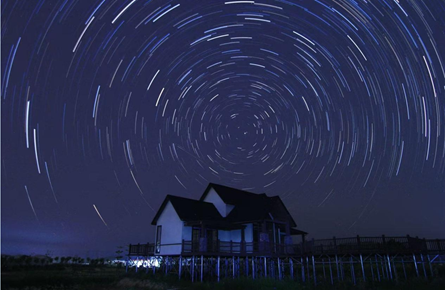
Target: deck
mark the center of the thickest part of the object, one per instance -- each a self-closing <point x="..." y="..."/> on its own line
<point x="334" y="246"/>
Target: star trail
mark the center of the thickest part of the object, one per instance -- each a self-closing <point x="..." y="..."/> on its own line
<point x="337" y="106"/>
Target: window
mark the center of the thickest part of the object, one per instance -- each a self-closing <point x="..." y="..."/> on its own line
<point x="158" y="238"/>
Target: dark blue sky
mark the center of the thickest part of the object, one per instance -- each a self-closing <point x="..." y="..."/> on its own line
<point x="108" y="106"/>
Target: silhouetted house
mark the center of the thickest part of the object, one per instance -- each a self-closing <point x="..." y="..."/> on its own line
<point x="224" y="220"/>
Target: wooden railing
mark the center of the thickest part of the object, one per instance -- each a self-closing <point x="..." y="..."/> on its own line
<point x="356" y="245"/>
<point x="141" y="250"/>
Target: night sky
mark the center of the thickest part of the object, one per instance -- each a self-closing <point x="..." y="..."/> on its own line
<point x="337" y="106"/>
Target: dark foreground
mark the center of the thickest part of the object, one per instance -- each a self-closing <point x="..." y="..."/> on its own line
<point x="95" y="278"/>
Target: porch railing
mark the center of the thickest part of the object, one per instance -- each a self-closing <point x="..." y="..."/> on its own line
<point x="355" y="245"/>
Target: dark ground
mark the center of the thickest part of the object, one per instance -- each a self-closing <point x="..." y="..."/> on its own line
<point x="110" y="278"/>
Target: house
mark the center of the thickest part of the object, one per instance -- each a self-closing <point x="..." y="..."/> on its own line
<point x="224" y="220"/>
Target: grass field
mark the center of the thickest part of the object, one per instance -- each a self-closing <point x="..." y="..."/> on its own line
<point x="95" y="278"/>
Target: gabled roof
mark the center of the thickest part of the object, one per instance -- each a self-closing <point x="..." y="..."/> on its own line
<point x="189" y="209"/>
<point x="248" y="206"/>
<point x="231" y="195"/>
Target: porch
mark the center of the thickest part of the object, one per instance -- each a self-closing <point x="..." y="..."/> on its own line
<point x="334" y="246"/>
<point x="221" y="248"/>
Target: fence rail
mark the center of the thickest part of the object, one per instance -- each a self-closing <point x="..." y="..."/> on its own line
<point x="334" y="246"/>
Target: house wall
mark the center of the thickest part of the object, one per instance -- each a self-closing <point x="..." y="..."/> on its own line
<point x="171" y="231"/>
<point x="214" y="198"/>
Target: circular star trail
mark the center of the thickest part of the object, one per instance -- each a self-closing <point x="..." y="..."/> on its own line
<point x="107" y="106"/>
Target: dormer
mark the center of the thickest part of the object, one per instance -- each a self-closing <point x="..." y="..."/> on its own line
<point x="210" y="195"/>
<point x="240" y="206"/>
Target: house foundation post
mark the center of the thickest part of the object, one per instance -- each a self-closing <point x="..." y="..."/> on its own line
<point x="384" y="268"/>
<point x="389" y="266"/>
<point x="394" y="270"/>
<point x="336" y="258"/>
<point x="415" y="265"/>
<point x="363" y="268"/>
<point x="202" y="267"/>
<point x="313" y="270"/>
<point x="253" y="267"/>
<point x="303" y="275"/>
<point x="340" y="263"/>
<point x="137" y="264"/>
<point x="352" y="270"/>
<point x="377" y="268"/>
<point x="324" y="271"/>
<point x="431" y="267"/>
<point x="233" y="267"/>
<point x="265" y="267"/>
<point x="291" y="265"/>
<point x="192" y="270"/>
<point x="403" y="267"/>
<point x="217" y="268"/>
<point x="180" y="267"/>
<point x="423" y="265"/>
<point x="336" y="264"/>
<point x="330" y="271"/>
